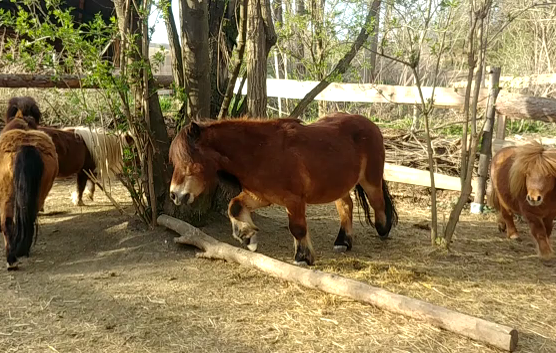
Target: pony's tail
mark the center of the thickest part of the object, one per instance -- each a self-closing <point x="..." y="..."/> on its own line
<point x="492" y="196"/>
<point x="389" y="209"/>
<point x="28" y="171"/>
<point x="363" y="201"/>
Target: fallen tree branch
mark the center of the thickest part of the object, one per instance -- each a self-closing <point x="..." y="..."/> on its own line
<point x="499" y="336"/>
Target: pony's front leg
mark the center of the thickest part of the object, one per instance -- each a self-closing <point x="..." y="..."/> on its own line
<point x="77" y="196"/>
<point x="90" y="189"/>
<point x="538" y="231"/>
<point x="239" y="211"/>
<point x="506" y="223"/>
<point x="304" y="253"/>
<point x="548" y="225"/>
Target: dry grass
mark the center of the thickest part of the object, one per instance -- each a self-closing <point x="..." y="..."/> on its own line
<point x="100" y="282"/>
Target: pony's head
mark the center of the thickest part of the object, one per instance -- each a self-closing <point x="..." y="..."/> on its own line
<point x="195" y="167"/>
<point x="25" y="108"/>
<point x="533" y="172"/>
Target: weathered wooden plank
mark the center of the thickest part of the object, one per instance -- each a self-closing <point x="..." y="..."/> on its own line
<point x="508" y="104"/>
<point x="517" y="81"/>
<point x="406" y="175"/>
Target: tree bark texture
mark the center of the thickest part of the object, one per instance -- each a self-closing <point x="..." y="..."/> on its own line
<point x="195" y="55"/>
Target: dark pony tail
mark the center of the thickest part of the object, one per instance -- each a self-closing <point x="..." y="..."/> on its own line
<point x="390" y="209"/>
<point x="28" y="171"/>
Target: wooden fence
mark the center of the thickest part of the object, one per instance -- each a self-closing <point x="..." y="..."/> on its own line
<point x="507" y="104"/>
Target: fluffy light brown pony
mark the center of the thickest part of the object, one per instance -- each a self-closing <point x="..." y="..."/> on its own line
<point x="523" y="180"/>
<point x="80" y="150"/>
<point x="28" y="166"/>
<point x="287" y="163"/>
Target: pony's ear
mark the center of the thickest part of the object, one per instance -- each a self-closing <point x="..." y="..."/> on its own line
<point x="36" y="113"/>
<point x="193" y="132"/>
<point x="11" y="113"/>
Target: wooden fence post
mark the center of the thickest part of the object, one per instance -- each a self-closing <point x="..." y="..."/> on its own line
<point x="486" y="145"/>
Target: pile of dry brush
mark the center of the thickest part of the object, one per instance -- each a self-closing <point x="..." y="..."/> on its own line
<point x="409" y="150"/>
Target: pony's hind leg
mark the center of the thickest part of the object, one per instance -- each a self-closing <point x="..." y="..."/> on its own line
<point x="304" y="253"/>
<point x="7" y="231"/>
<point x="77" y="196"/>
<point x="239" y="211"/>
<point x="90" y="189"/>
<point x="344" y="240"/>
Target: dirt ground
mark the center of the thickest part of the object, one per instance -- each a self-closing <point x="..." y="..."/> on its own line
<point x="98" y="282"/>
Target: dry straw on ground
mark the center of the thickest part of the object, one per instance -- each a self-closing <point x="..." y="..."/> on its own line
<point x="99" y="282"/>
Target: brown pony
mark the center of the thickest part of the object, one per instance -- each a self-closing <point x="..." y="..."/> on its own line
<point x="523" y="180"/>
<point x="287" y="163"/>
<point x="80" y="150"/>
<point x="28" y="166"/>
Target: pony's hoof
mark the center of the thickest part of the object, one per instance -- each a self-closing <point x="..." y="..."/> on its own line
<point x="340" y="248"/>
<point x="514" y="236"/>
<point x="301" y="263"/>
<point x="75" y="199"/>
<point x="88" y="195"/>
<point x="546" y="257"/>
<point x="13" y="267"/>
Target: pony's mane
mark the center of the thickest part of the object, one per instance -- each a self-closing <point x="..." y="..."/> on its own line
<point x="23" y="107"/>
<point x="105" y="148"/>
<point x="182" y="150"/>
<point x="10" y="141"/>
<point x="531" y="158"/>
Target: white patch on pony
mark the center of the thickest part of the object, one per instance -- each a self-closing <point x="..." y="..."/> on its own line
<point x="253" y="243"/>
<point x="340" y="248"/>
<point x="75" y="199"/>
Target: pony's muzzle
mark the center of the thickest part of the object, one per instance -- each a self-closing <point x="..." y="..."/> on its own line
<point x="178" y="198"/>
<point x="534" y="201"/>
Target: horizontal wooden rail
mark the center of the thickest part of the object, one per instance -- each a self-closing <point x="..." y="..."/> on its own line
<point x="507" y="104"/>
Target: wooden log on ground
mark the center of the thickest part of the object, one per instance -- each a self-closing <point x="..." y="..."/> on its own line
<point x="500" y="336"/>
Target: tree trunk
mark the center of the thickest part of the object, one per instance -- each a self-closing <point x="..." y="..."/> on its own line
<point x="218" y="65"/>
<point x="374" y="41"/>
<point x="175" y="47"/>
<point x="156" y="128"/>
<point x="342" y="65"/>
<point x="195" y="54"/>
<point x="260" y="39"/>
<point x="238" y="61"/>
<point x="299" y="66"/>
<point x="486" y="145"/>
